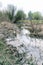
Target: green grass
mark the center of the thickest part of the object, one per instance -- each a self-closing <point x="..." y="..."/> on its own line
<point x="34" y="21"/>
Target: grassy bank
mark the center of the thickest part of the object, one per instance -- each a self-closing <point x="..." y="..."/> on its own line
<point x="27" y="21"/>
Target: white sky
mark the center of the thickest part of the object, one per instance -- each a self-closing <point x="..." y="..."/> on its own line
<point x="26" y="5"/>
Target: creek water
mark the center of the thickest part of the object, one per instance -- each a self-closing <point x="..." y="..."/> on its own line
<point x="33" y="46"/>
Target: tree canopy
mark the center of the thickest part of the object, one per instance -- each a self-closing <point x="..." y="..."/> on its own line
<point x="10" y="12"/>
<point x="20" y="15"/>
<point x="34" y="16"/>
<point x="37" y="15"/>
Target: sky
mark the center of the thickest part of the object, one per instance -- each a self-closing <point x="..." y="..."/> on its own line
<point x="25" y="5"/>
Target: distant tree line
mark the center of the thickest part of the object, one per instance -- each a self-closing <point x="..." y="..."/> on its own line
<point x="35" y="16"/>
<point x="12" y="15"/>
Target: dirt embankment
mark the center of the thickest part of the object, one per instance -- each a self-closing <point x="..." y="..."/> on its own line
<point x="8" y="29"/>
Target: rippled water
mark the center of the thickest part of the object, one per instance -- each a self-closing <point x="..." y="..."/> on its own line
<point x="33" y="46"/>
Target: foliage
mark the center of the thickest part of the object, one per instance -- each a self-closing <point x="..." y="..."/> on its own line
<point x="3" y="16"/>
<point x="0" y="13"/>
<point x="20" y="15"/>
<point x="10" y="12"/>
<point x="37" y="15"/>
